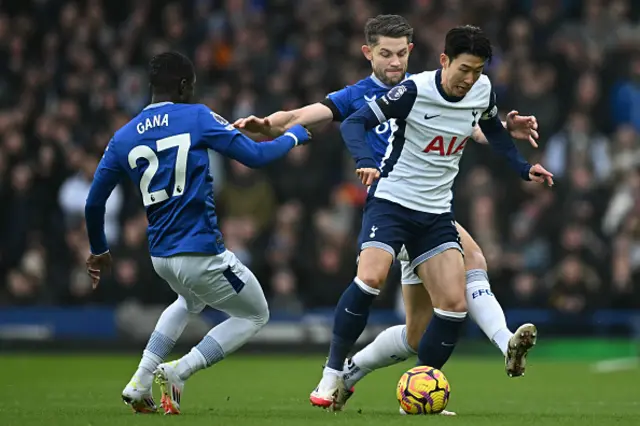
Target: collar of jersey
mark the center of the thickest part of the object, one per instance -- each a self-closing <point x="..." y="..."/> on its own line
<point x="446" y="97"/>
<point x="157" y="104"/>
<point x="377" y="81"/>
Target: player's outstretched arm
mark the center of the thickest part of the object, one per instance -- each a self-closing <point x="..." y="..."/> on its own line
<point x="105" y="179"/>
<point x="224" y="138"/>
<point x="313" y="116"/>
<point x="520" y="128"/>
<point x="501" y="142"/>
<point x="253" y="154"/>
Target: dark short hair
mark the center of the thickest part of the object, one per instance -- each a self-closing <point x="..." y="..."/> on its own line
<point x="394" y="26"/>
<point x="467" y="39"/>
<point x="168" y="69"/>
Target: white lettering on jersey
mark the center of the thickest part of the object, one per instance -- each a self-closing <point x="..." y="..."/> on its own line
<point x="151" y="122"/>
<point x="421" y="163"/>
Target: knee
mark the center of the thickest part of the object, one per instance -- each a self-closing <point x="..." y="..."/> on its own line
<point x="262" y="318"/>
<point x="454" y="305"/>
<point x="474" y="259"/>
<point x="193" y="307"/>
<point x="372" y="278"/>
<point x="452" y="302"/>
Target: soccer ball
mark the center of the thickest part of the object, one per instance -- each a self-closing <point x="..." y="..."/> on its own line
<point x="423" y="390"/>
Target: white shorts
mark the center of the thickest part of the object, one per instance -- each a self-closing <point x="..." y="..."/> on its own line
<point x="409" y="277"/>
<point x="221" y="282"/>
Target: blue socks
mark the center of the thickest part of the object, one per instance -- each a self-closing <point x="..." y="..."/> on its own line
<point x="351" y="315"/>
<point x="439" y="341"/>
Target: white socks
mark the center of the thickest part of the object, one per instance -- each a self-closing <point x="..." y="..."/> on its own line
<point x="485" y="309"/>
<point x="390" y="347"/>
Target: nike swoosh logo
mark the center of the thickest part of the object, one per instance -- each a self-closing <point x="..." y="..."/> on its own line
<point x="448" y="344"/>
<point x="429" y="117"/>
<point x="352" y="313"/>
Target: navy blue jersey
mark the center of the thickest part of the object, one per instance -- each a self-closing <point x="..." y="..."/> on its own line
<point x="165" y="152"/>
<point x="347" y="101"/>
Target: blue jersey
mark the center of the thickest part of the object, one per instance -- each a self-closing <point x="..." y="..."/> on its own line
<point x="345" y="102"/>
<point x="165" y="152"/>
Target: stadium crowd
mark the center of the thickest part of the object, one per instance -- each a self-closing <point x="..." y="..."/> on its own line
<point x="74" y="72"/>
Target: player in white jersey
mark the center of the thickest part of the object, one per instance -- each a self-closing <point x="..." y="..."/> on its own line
<point x="388" y="45"/>
<point x="409" y="201"/>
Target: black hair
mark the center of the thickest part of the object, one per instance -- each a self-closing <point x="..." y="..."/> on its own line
<point x="168" y="70"/>
<point x="467" y="39"/>
<point x="394" y="26"/>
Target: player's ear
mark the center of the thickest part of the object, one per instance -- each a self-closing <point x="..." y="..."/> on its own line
<point x="367" y="51"/>
<point x="183" y="87"/>
<point x="444" y="60"/>
<point x="410" y="47"/>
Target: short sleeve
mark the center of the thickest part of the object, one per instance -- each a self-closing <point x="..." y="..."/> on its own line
<point x="397" y="102"/>
<point x="339" y="103"/>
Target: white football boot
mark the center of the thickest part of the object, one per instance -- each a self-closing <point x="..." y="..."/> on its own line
<point x="139" y="398"/>
<point x="171" y="386"/>
<point x="520" y="344"/>
<point x="344" y="392"/>
<point x="325" y="393"/>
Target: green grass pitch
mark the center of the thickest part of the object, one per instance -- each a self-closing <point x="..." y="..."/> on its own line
<point x="273" y="390"/>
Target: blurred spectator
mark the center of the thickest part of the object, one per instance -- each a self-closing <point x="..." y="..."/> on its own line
<point x="74" y="192"/>
<point x="577" y="145"/>
<point x="574" y="286"/>
<point x="247" y="195"/>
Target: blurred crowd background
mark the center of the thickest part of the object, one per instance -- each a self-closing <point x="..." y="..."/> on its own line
<point x="73" y="72"/>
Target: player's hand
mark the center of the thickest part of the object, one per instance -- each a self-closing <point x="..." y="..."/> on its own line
<point x="539" y="174"/>
<point x="523" y="127"/>
<point x="301" y="133"/>
<point x="368" y="175"/>
<point x="256" y="125"/>
<point x="96" y="265"/>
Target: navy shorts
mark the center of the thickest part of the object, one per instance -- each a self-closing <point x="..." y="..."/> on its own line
<point x="389" y="226"/>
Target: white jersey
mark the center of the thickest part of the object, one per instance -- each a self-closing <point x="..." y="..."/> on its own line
<point x="422" y="159"/>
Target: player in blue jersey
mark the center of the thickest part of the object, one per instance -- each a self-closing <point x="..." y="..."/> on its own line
<point x="164" y="150"/>
<point x="388" y="46"/>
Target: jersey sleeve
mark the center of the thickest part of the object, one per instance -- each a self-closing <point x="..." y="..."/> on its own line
<point x="222" y="137"/>
<point x="339" y="103"/>
<point x="105" y="179"/>
<point x="397" y="103"/>
<point x="500" y="140"/>
<point x="492" y="109"/>
<point x="217" y="132"/>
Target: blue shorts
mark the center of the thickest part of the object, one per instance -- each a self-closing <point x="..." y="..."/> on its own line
<point x="389" y="226"/>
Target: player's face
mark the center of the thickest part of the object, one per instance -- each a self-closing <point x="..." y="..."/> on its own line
<point x="461" y="73"/>
<point x="389" y="58"/>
